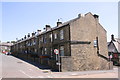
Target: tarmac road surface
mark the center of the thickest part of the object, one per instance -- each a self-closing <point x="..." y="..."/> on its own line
<point x="13" y="67"/>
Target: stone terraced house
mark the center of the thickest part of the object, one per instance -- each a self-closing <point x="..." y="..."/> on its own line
<point x="81" y="42"/>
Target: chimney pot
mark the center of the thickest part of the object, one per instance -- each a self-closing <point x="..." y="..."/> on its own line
<point x="44" y="28"/>
<point x="96" y="17"/>
<point x="25" y="37"/>
<point x="112" y="37"/>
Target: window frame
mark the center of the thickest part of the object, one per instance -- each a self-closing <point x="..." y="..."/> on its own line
<point x="62" y="50"/>
<point x="55" y="36"/>
<point x="61" y="34"/>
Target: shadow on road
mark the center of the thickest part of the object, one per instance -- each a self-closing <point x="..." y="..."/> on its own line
<point x="40" y="66"/>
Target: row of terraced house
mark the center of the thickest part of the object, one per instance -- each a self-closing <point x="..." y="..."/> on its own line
<point x="80" y="42"/>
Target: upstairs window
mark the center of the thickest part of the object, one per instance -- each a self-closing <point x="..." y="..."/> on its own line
<point x="45" y="38"/>
<point x="26" y="43"/>
<point x="42" y="51"/>
<point x="34" y="42"/>
<point x="55" y="35"/>
<point x="50" y="36"/>
<point x="45" y="50"/>
<point x="20" y="46"/>
<point x="61" y="34"/>
<point x="40" y="40"/>
<point x="35" y="50"/>
<point x="30" y="43"/>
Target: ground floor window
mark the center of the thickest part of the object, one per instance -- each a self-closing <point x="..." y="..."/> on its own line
<point x="51" y="52"/>
<point x="41" y="51"/>
<point x="45" y="50"/>
<point x="35" y="50"/>
<point x="61" y="50"/>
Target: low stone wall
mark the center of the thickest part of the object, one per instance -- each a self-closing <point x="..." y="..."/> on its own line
<point x="66" y="63"/>
<point x="52" y="64"/>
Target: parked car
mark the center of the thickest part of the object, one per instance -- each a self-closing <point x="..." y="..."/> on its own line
<point x="4" y="52"/>
<point x="7" y="53"/>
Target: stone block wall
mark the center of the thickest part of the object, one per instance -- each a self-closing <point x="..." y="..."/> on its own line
<point x="84" y="56"/>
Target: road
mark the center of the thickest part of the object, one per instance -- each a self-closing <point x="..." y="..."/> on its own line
<point x="13" y="67"/>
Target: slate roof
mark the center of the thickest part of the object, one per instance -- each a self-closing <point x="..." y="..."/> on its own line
<point x="56" y="27"/>
<point x="114" y="45"/>
<point x="5" y="44"/>
<point x="117" y="44"/>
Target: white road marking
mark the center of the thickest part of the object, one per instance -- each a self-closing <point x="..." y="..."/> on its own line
<point x="74" y="74"/>
<point x="40" y="77"/>
<point x="25" y="74"/>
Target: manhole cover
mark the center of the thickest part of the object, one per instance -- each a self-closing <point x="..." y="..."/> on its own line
<point x="46" y="71"/>
<point x="19" y="62"/>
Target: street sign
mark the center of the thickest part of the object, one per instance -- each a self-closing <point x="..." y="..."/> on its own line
<point x="56" y="51"/>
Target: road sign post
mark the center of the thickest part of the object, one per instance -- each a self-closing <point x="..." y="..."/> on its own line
<point x="56" y="51"/>
<point x="56" y="58"/>
<point x="110" y="57"/>
<point x="59" y="61"/>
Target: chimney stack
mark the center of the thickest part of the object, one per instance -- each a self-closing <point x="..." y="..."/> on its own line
<point x="47" y="27"/>
<point x="96" y="17"/>
<point x="81" y="15"/>
<point x="28" y="35"/>
<point x="59" y="23"/>
<point x="38" y="31"/>
<point x="33" y="34"/>
<point x="25" y="37"/>
<point x="112" y="37"/>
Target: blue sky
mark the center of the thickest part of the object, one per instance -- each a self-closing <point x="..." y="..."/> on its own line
<point x="21" y="18"/>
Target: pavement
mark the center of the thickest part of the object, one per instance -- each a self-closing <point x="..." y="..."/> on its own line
<point x="12" y="67"/>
